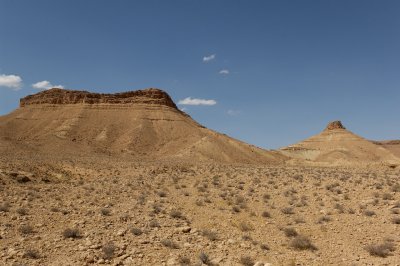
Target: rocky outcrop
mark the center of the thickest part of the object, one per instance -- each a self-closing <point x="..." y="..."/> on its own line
<point x="60" y="96"/>
<point x="335" y="125"/>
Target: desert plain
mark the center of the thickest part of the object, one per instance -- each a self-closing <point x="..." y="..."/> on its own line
<point x="129" y="179"/>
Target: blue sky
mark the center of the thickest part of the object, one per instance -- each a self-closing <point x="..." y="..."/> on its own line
<point x="288" y="67"/>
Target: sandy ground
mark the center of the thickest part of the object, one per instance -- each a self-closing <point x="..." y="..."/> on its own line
<point x="104" y="211"/>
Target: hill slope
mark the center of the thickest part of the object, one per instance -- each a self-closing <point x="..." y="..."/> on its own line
<point x="145" y="124"/>
<point x="338" y="145"/>
<point x="391" y="145"/>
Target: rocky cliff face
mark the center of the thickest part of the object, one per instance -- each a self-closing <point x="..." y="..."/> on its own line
<point x="335" y="125"/>
<point x="60" y="96"/>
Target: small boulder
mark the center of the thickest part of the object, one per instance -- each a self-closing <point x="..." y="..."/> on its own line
<point x="186" y="229"/>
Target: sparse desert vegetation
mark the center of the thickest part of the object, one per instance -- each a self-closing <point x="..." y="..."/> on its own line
<point x="123" y="219"/>
<point x="381" y="250"/>
<point x="131" y="199"/>
<point x="199" y="133"/>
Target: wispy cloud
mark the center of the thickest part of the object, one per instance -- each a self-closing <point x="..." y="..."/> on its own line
<point x="13" y="82"/>
<point x="195" y="101"/>
<point x="45" y="85"/>
<point x="233" y="112"/>
<point x="224" y="71"/>
<point x="209" y="58"/>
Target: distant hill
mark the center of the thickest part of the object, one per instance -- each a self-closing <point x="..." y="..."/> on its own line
<point x="144" y="124"/>
<point x="338" y="145"/>
<point x="391" y="145"/>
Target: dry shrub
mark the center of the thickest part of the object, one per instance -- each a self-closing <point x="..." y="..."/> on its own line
<point x="176" y="214"/>
<point x="290" y="232"/>
<point x="245" y="227"/>
<point x="71" y="233"/>
<point x="184" y="261"/>
<point x="154" y="223"/>
<point x="266" y="214"/>
<point x="324" y="219"/>
<point x="169" y="243"/>
<point x="31" y="254"/>
<point x="301" y="242"/>
<point x="108" y="250"/>
<point x="205" y="259"/>
<point x="396" y="220"/>
<point x="5" y="207"/>
<point x="105" y="212"/>
<point x="380" y="250"/>
<point x="26" y="229"/>
<point x="247" y="261"/>
<point x="136" y="231"/>
<point x="22" y="211"/>
<point x="369" y="213"/>
<point x="211" y="235"/>
<point x="287" y="210"/>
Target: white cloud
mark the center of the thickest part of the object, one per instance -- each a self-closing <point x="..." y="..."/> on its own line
<point x="11" y="81"/>
<point x="224" y="72"/>
<point x="45" y="85"/>
<point x="209" y="58"/>
<point x="233" y="112"/>
<point x="194" y="101"/>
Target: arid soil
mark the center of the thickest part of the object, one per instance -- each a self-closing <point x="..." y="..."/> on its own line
<point x="128" y="179"/>
<point x="121" y="213"/>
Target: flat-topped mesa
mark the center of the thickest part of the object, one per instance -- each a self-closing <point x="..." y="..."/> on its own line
<point x="335" y="125"/>
<point x="56" y="96"/>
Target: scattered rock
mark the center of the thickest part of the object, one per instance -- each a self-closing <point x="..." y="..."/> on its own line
<point x="185" y="229"/>
<point x="231" y="241"/>
<point x="121" y="232"/>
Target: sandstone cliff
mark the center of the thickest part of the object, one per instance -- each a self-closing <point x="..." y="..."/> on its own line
<point x="61" y="96"/>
